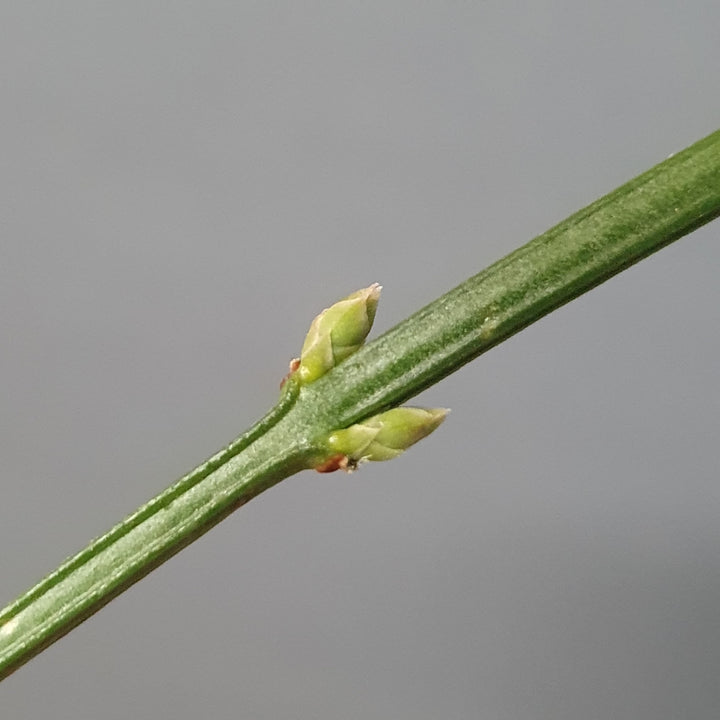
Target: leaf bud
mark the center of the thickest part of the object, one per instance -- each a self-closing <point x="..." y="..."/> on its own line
<point x="337" y="332"/>
<point x="385" y="436"/>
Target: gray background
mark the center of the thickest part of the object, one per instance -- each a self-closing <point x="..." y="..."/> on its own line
<point x="184" y="185"/>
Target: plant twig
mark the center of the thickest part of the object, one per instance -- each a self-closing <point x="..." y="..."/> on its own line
<point x="656" y="208"/>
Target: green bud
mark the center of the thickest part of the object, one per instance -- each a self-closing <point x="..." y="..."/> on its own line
<point x="337" y="332"/>
<point x="385" y="436"/>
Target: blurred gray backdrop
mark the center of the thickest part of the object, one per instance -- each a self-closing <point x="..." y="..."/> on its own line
<point x="185" y="184"/>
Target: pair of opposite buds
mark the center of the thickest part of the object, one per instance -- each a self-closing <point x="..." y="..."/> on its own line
<point x="335" y="334"/>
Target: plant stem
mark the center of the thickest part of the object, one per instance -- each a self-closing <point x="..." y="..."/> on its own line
<point x="665" y="203"/>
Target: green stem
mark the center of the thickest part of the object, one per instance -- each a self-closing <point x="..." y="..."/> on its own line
<point x="649" y="212"/>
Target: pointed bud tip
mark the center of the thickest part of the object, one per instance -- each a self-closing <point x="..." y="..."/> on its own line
<point x="374" y="291"/>
<point x="439" y="413"/>
<point x="402" y="427"/>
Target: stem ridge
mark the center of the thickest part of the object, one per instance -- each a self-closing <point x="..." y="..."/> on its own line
<point x="630" y="223"/>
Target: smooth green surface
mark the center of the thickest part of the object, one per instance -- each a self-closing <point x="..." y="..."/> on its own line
<point x="642" y="216"/>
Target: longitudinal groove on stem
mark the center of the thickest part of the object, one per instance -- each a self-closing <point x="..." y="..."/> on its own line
<point x="591" y="246"/>
<point x="630" y="223"/>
